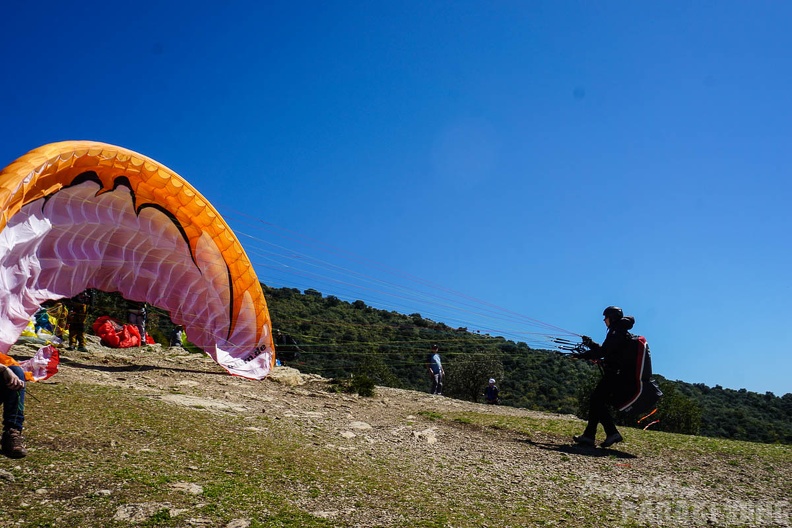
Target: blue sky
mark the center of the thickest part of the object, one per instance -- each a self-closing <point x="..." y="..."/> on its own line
<point x="511" y="167"/>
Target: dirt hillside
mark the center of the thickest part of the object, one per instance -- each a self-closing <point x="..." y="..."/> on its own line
<point x="426" y="460"/>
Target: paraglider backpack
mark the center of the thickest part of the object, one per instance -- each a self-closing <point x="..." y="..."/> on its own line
<point x="641" y="391"/>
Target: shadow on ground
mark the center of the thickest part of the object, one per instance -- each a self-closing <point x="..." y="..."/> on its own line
<point x="134" y="368"/>
<point x="580" y="450"/>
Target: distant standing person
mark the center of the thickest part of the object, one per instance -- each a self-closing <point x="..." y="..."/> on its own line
<point x="491" y="393"/>
<point x="78" y="311"/>
<point x="136" y="316"/>
<point x="176" y="336"/>
<point x="435" y="368"/>
<point x="61" y="314"/>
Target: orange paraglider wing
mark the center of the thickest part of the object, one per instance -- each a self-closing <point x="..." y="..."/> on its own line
<point x="81" y="214"/>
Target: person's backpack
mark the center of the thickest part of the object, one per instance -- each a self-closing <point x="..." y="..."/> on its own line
<point x="639" y="391"/>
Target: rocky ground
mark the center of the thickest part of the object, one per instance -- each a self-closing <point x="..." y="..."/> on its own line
<point x="527" y="470"/>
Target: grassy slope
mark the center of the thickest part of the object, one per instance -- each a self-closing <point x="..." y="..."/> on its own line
<point x="99" y="450"/>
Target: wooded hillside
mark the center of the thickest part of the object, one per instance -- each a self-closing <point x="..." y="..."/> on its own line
<point x="339" y="339"/>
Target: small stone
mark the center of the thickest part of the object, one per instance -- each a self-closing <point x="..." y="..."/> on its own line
<point x="188" y="487"/>
<point x="360" y="426"/>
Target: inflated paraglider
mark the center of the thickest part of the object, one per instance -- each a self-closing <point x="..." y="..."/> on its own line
<point x="81" y="214"/>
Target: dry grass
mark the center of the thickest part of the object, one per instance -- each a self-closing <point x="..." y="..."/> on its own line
<point x="165" y="438"/>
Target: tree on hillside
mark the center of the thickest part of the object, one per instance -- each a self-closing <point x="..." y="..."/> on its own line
<point x="677" y="413"/>
<point x="467" y="374"/>
<point x="341" y="339"/>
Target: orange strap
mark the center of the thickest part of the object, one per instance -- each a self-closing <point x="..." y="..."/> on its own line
<point x="7" y="360"/>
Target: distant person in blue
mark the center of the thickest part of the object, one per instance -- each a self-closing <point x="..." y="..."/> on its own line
<point x="491" y="393"/>
<point x="435" y="368"/>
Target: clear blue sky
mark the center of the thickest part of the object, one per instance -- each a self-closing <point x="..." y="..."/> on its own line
<point x="487" y="164"/>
